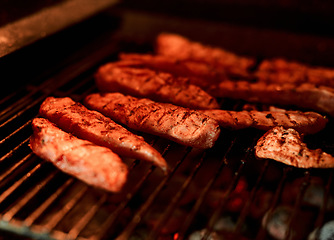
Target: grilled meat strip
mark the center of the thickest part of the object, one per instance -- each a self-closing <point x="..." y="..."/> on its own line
<point x="73" y="117"/>
<point x="95" y="165"/>
<point x="179" y="47"/>
<point x="286" y="146"/>
<point x="282" y="71"/>
<point x="307" y="123"/>
<point x="182" y="125"/>
<point x="199" y="73"/>
<point x="306" y="95"/>
<point x="158" y="86"/>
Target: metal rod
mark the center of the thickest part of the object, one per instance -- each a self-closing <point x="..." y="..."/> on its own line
<point x="203" y="194"/>
<point x="250" y="199"/>
<point x="13" y="187"/>
<point x="125" y="234"/>
<point x="15" y="166"/>
<point x="261" y="234"/>
<point x="176" y="198"/>
<point x="42" y="208"/>
<point x="80" y="225"/>
<point x="20" y="204"/>
<point x="113" y="216"/>
<point x="293" y="217"/>
<point x="53" y="222"/>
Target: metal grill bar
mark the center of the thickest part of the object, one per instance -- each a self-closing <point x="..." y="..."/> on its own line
<point x="13" y="150"/>
<point x="250" y="199"/>
<point x="173" y="203"/>
<point x="194" y="210"/>
<point x="52" y="223"/>
<point x="297" y="205"/>
<point x="320" y="219"/>
<point x="15" y="132"/>
<point x="12" y="188"/>
<point x="262" y="231"/>
<point x="19" y="205"/>
<point x="79" y="226"/>
<point x="144" y="207"/>
<point x="113" y="216"/>
<point x="15" y="166"/>
<point x="42" y="208"/>
<point x="213" y="219"/>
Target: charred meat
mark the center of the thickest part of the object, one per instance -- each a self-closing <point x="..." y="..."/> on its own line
<point x="307" y="123"/>
<point x="75" y="118"/>
<point x="307" y="96"/>
<point x="283" y="71"/>
<point x="158" y="86"/>
<point x="286" y="146"/>
<point x="182" y="125"/>
<point x="199" y="73"/>
<point x="95" y="165"/>
<point x="179" y="47"/>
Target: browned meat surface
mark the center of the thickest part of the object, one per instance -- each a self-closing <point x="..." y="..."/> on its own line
<point x="199" y="73"/>
<point x="95" y="165"/>
<point x="286" y="146"/>
<point x="158" y="86"/>
<point x="182" y="125"/>
<point x="308" y="122"/>
<point x="279" y="64"/>
<point x="179" y="47"/>
<point x="282" y="71"/>
<point x="73" y="117"/>
<point x="306" y="95"/>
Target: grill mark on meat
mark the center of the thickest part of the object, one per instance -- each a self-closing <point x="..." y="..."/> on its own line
<point x="308" y="122"/>
<point x="200" y="73"/>
<point x="283" y="71"/>
<point x="288" y="116"/>
<point x="253" y="121"/>
<point x="95" y="165"/>
<point x="305" y="95"/>
<point x="156" y="85"/>
<point x="286" y="146"/>
<point x="178" y="124"/>
<point x="147" y="116"/>
<point x="93" y="126"/>
<point x="179" y="47"/>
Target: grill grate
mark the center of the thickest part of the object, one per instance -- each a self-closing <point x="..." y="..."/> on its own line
<point x="38" y="201"/>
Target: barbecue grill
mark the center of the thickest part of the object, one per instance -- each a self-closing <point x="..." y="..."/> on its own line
<point x="220" y="193"/>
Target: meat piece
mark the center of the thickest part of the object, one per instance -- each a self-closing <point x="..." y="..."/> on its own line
<point x="158" y="86"/>
<point x="279" y="64"/>
<point x="199" y="73"/>
<point x="179" y="47"/>
<point x="95" y="165"/>
<point x="282" y="71"/>
<point x="182" y="125"/>
<point x="306" y="95"/>
<point x="73" y="117"/>
<point x="308" y="122"/>
<point x="286" y="146"/>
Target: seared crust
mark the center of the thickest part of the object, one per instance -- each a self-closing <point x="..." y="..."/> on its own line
<point x="73" y="117"/>
<point x="179" y="47"/>
<point x="286" y="146"/>
<point x="185" y="126"/>
<point x="199" y="73"/>
<point x="306" y="95"/>
<point x="307" y="123"/>
<point x="282" y="71"/>
<point x="158" y="86"/>
<point x="95" y="165"/>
